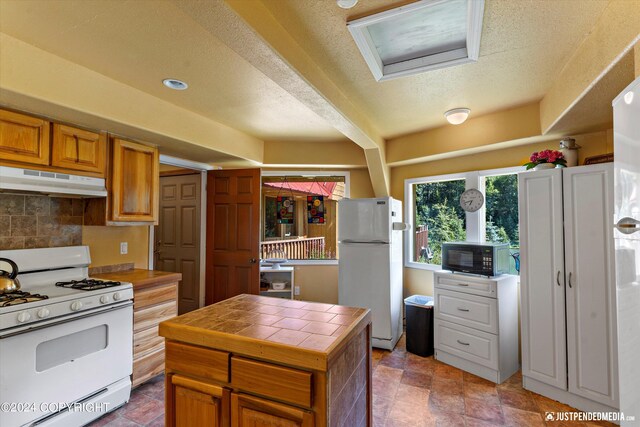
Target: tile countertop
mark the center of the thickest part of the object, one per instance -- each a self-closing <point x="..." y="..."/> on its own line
<point x="140" y="278"/>
<point x="304" y="334"/>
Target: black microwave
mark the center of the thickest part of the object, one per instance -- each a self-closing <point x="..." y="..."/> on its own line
<point x="486" y="259"/>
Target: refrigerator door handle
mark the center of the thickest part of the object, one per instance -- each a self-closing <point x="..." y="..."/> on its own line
<point x="628" y="225"/>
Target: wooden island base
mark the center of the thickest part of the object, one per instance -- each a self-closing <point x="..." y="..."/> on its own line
<point x="260" y="361"/>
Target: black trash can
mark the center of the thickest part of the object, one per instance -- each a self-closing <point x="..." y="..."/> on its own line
<point x="418" y="310"/>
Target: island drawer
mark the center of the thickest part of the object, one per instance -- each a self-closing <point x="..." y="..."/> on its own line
<point x="197" y="361"/>
<point x="277" y="382"/>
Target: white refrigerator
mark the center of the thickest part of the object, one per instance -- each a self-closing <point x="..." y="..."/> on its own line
<point x="626" y="135"/>
<point x="370" y="235"/>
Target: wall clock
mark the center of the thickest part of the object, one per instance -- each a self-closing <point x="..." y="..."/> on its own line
<point x="471" y="200"/>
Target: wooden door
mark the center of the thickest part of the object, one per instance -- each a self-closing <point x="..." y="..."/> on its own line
<point x="23" y="138"/>
<point x="177" y="236"/>
<point x="249" y="411"/>
<point x="591" y="290"/>
<point x="195" y="403"/>
<point x="134" y="182"/>
<point x="78" y="149"/>
<point x="233" y="233"/>
<point x="542" y="277"/>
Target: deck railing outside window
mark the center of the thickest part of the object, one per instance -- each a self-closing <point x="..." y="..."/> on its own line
<point x="422" y="243"/>
<point x="302" y="248"/>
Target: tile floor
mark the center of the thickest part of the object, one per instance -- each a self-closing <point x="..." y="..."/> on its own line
<point x="408" y="390"/>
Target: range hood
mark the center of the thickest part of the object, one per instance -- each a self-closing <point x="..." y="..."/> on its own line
<point x="53" y="183"/>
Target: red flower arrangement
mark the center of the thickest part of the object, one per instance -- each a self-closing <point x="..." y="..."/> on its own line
<point x="546" y="156"/>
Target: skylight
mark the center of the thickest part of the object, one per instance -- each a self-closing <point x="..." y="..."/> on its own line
<point x="421" y="36"/>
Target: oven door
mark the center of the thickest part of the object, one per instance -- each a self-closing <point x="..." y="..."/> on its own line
<point x="69" y="359"/>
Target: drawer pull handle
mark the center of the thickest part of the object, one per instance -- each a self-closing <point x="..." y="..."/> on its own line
<point x="463" y="343"/>
<point x="463" y="284"/>
<point x="463" y="309"/>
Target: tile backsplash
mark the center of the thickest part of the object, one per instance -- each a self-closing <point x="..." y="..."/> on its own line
<point x="35" y="221"/>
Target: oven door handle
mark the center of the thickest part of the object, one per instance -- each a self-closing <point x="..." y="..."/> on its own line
<point x="69" y="319"/>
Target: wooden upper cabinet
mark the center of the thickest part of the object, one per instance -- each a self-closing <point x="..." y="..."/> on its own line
<point x="78" y="149"/>
<point x="134" y="183"/>
<point x="23" y="138"/>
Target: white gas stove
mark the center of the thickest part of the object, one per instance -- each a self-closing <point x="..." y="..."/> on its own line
<point x="70" y="349"/>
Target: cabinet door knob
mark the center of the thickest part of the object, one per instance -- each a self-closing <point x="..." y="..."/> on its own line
<point x="252" y="261"/>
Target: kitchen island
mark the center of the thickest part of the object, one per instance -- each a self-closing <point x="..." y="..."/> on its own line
<point x="253" y="360"/>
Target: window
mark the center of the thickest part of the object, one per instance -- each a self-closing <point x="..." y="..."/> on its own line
<point x="433" y="210"/>
<point x="501" y="214"/>
<point x="438" y="218"/>
<point x="300" y="214"/>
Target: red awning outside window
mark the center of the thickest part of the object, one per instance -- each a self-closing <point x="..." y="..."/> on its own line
<point x="313" y="188"/>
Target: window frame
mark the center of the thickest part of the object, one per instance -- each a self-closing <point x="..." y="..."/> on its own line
<point x="475" y="221"/>
<point x="307" y="173"/>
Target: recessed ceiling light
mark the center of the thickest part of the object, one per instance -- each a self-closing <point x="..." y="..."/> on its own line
<point x="628" y="97"/>
<point x="457" y="115"/>
<point x="346" y="4"/>
<point x="175" y="84"/>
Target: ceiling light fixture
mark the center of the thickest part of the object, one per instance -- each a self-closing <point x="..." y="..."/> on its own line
<point x="346" y="4"/>
<point x="175" y="84"/>
<point x="457" y="115"/>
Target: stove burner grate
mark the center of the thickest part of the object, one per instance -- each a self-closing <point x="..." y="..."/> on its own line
<point x="88" y="284"/>
<point x="19" y="297"/>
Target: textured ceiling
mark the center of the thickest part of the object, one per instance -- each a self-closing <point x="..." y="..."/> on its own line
<point x="593" y="112"/>
<point x="523" y="48"/>
<point x="139" y="42"/>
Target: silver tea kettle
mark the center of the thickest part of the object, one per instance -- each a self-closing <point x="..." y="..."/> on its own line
<point x="8" y="281"/>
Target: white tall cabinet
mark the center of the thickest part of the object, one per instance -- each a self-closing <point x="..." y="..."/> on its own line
<point x="568" y="292"/>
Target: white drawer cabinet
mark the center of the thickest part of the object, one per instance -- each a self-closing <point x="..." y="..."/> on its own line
<point x="467" y="343"/>
<point x="467" y="310"/>
<point x="467" y="284"/>
<point x="476" y="324"/>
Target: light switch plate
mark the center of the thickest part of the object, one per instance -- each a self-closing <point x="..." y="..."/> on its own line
<point x="124" y="248"/>
<point x="296" y="290"/>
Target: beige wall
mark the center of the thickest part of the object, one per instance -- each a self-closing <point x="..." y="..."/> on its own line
<point x="360" y="184"/>
<point x="418" y="281"/>
<point x="317" y="283"/>
<point x="636" y="53"/>
<point x="104" y="244"/>
<point x="514" y="124"/>
<point x="304" y="153"/>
